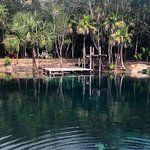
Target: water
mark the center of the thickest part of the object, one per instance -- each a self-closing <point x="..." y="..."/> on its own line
<point x="75" y="113"/>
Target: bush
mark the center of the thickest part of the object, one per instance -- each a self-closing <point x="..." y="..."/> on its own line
<point x="138" y="56"/>
<point x="7" y="61"/>
<point x="8" y="77"/>
<point x="111" y="66"/>
<point x="148" y="71"/>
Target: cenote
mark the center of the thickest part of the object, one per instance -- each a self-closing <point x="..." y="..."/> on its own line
<point x="75" y="113"/>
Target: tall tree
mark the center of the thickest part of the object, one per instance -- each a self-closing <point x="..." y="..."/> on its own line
<point x="25" y="26"/>
<point x="3" y="15"/>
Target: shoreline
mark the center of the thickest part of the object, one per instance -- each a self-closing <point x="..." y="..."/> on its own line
<point x="24" y="67"/>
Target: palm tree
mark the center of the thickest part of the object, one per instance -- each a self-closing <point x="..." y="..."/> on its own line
<point x="71" y="30"/>
<point x="109" y="26"/>
<point x="45" y="35"/>
<point x="25" y="26"/>
<point x="12" y="44"/>
<point x="19" y="29"/>
<point x="3" y="13"/>
<point x="45" y="38"/>
<point x="84" y="28"/>
<point x="121" y="38"/>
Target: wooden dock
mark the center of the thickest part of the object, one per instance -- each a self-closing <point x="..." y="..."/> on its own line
<point x="63" y="71"/>
<point x="91" y="57"/>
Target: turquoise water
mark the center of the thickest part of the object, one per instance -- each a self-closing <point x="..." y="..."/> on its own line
<point x="75" y="113"/>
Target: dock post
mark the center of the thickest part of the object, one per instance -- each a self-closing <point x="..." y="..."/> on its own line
<point x="100" y="59"/>
<point x="83" y="87"/>
<point x="91" y="58"/>
<point x="84" y="54"/>
<point x="90" y="86"/>
<point x="99" y="78"/>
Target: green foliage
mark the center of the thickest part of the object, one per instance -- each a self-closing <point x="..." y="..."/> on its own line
<point x="109" y="23"/>
<point x="120" y="24"/>
<point x="111" y="77"/>
<point x="30" y="29"/>
<point x="7" y="61"/>
<point x="121" y="34"/>
<point x="145" y="53"/>
<point x="105" y="22"/>
<point x="148" y="71"/>
<point x="111" y="66"/>
<point x="44" y="35"/>
<point x="85" y="25"/>
<point x="138" y="56"/>
<point x="11" y="44"/>
<point x="24" y="25"/>
<point x="67" y="41"/>
<point x="3" y="13"/>
<point x="8" y="77"/>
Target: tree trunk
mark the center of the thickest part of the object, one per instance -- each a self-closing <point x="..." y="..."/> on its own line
<point x="117" y="58"/>
<point x="110" y="59"/>
<point x="84" y="54"/>
<point x="100" y="59"/>
<point x="17" y="56"/>
<point x="147" y="58"/>
<point x="33" y="57"/>
<point x="116" y="62"/>
<point x="73" y="51"/>
<point x="66" y="55"/>
<point x="56" y="47"/>
<point x="38" y="53"/>
<point x="121" y="57"/>
<point x="90" y="7"/>
<point x="109" y="55"/>
<point x="62" y="39"/>
<point x="72" y="48"/>
<point x="136" y="46"/>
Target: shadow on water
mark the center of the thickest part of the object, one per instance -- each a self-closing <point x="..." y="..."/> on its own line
<point x="75" y="113"/>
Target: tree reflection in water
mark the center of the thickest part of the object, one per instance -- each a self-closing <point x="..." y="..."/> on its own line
<point x="107" y="106"/>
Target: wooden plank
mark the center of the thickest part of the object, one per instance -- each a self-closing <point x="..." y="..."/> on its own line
<point x="66" y="69"/>
<point x="97" y="55"/>
<point x="63" y="71"/>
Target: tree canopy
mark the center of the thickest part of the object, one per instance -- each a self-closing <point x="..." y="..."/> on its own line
<point x="120" y="28"/>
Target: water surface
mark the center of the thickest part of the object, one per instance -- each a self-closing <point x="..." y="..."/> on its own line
<point x="75" y="113"/>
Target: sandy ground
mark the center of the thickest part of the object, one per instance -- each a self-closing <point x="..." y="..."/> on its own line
<point x="25" y="65"/>
<point x="25" y="68"/>
<point x="134" y="69"/>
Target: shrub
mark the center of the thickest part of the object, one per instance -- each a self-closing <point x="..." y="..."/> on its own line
<point x="111" y="66"/>
<point x="7" y="61"/>
<point x="8" y="77"/>
<point x="148" y="71"/>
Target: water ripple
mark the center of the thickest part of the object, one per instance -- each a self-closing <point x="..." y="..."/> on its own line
<point x="133" y="143"/>
<point x="69" y="138"/>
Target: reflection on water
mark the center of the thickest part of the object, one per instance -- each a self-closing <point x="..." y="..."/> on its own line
<point x="75" y="113"/>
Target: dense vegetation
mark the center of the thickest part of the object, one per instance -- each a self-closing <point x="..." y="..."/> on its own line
<point x="120" y="29"/>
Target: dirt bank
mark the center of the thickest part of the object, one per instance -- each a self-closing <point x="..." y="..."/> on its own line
<point x="24" y="66"/>
<point x="134" y="69"/>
